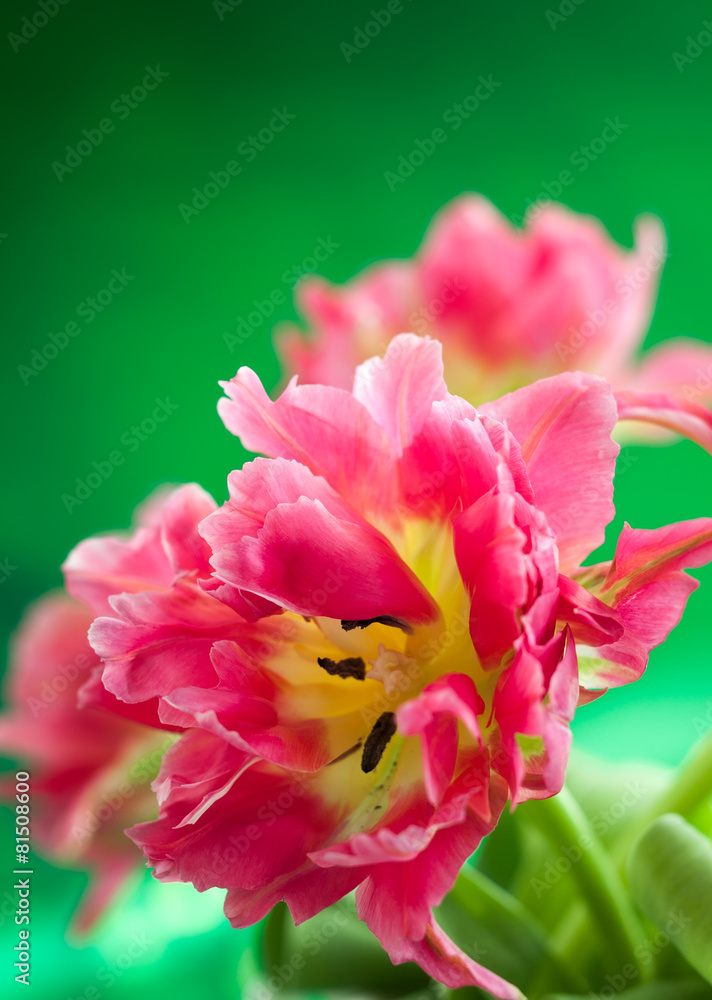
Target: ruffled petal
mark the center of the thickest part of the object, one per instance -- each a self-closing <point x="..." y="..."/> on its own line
<point x="325" y="429"/>
<point x="684" y="416"/>
<point x="399" y="389"/>
<point x="313" y="562"/>
<point x="564" y="425"/>
<point x="434" y="716"/>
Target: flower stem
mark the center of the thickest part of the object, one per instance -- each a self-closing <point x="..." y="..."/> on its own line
<point x="474" y="892"/>
<point x="688" y="789"/>
<point x="563" y="822"/>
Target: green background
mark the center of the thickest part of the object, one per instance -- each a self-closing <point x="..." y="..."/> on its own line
<point x="322" y="177"/>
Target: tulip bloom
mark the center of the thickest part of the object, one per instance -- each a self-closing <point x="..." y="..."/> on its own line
<point x="511" y="306"/>
<point x="390" y="640"/>
<point x="90" y="771"/>
<point x="93" y="757"/>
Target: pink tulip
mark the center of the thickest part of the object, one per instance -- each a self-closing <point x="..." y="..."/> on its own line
<point x="511" y="306"/>
<point x="91" y="756"/>
<point x="90" y="771"/>
<point x="406" y="631"/>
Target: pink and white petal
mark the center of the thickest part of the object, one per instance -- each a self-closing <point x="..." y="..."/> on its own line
<point x="246" y="605"/>
<point x="260" y="486"/>
<point x="669" y="411"/>
<point x="93" y="694"/>
<point x="241" y="840"/>
<point x="99" y="567"/>
<point x="593" y="622"/>
<point x="473" y="263"/>
<point x="399" y="389"/>
<point x="250" y="711"/>
<point x="182" y="514"/>
<point x="563" y="697"/>
<point x="349" y="323"/>
<point x="454" y="459"/>
<point x="313" y="563"/>
<point x="323" y="428"/>
<point x="146" y="661"/>
<point x="681" y="366"/>
<point x="646" y="583"/>
<point x="563" y="425"/>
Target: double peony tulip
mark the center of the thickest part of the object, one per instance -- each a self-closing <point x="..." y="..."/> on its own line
<point x="379" y="641"/>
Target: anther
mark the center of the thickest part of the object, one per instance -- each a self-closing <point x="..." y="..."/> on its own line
<point x="347" y="625"/>
<point x="352" y="666"/>
<point x="377" y="741"/>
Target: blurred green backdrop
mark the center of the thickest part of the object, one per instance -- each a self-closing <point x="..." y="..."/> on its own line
<point x="218" y="71"/>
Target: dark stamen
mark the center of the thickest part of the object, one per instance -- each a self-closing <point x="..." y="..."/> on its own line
<point x="382" y="620"/>
<point x="377" y="741"/>
<point x="352" y="666"/>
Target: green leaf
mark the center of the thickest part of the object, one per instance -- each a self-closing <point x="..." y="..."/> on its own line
<point x="654" y="991"/>
<point x="332" y="951"/>
<point x="495" y="929"/>
<point x="670" y="876"/>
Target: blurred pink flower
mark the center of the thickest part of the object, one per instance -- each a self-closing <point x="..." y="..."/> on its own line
<point x="92" y="757"/>
<point x="90" y="771"/>
<point x="512" y="306"/>
<point x="405" y="634"/>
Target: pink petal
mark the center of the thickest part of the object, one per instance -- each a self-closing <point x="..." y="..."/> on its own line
<point x="399" y="389"/>
<point x="682" y="366"/>
<point x="165" y="543"/>
<point x="671" y="412"/>
<point x="646" y="584"/>
<point x="489" y="548"/>
<point x="313" y="562"/>
<point x="350" y="322"/>
<point x="434" y="716"/>
<point x="325" y="429"/>
<point x="564" y="425"/>
<point x="161" y="641"/>
<point x="440" y="957"/>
